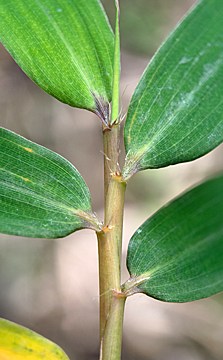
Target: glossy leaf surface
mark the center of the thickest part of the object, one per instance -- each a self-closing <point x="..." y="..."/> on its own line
<point x="20" y="343"/>
<point x="65" y="46"/>
<point x="177" y="254"/>
<point x="176" y="112"/>
<point x="41" y="193"/>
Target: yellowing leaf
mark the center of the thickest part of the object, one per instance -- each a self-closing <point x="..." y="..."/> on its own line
<point x="20" y="343"/>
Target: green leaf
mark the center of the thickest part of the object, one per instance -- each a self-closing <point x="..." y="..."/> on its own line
<point x="177" y="254"/>
<point x="41" y="194"/>
<point x="176" y="112"/>
<point x="19" y="343"/>
<point x="65" y="46"/>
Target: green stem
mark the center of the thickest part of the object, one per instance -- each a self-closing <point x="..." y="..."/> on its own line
<point x="109" y="247"/>
<point x="110" y="237"/>
<point x="111" y="344"/>
<point x="111" y="140"/>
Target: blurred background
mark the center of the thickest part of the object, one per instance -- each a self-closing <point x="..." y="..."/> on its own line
<point x="52" y="286"/>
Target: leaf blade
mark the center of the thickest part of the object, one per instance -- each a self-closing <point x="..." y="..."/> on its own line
<point x="176" y="255"/>
<point x="41" y="193"/>
<point x="175" y="114"/>
<point x="18" y="342"/>
<point x="64" y="46"/>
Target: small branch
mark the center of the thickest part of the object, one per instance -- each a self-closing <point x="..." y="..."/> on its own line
<point x="116" y="70"/>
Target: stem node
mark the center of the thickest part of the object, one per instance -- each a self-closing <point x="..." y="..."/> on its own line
<point x="118" y="294"/>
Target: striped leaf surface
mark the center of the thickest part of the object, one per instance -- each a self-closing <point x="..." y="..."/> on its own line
<point x="65" y="46"/>
<point x="41" y="194"/>
<point x="176" y="112"/>
<point x="177" y="254"/>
